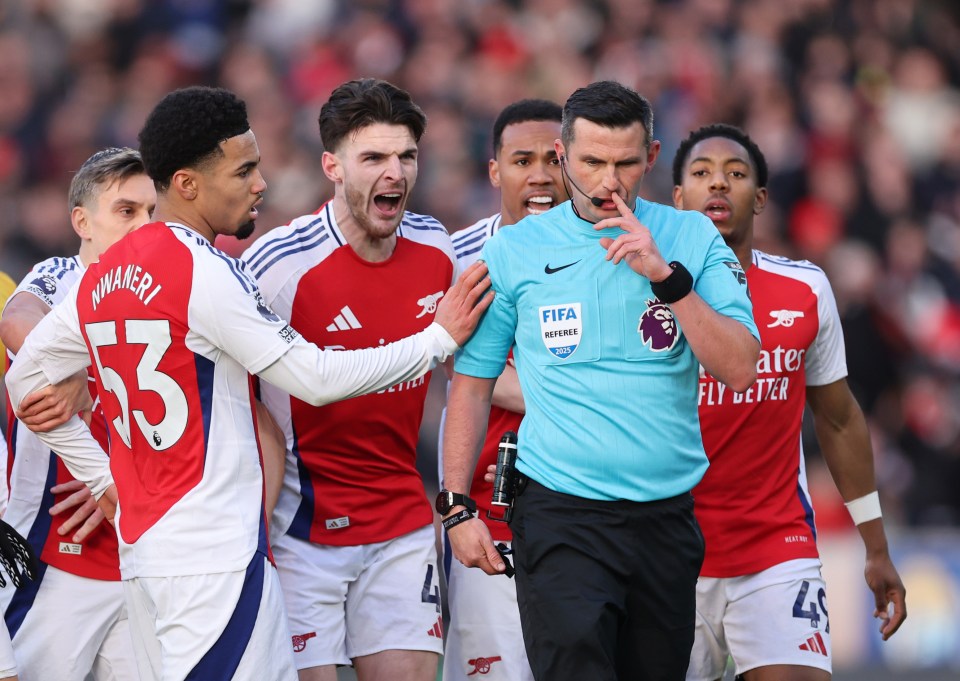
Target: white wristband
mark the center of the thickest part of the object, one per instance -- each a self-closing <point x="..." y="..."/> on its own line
<point x="864" y="509"/>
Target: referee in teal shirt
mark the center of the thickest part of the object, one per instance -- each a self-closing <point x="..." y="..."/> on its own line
<point x="611" y="305"/>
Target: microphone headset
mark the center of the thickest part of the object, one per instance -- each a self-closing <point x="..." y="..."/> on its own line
<point x="563" y="168"/>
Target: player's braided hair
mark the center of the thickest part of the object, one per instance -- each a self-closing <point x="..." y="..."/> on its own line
<point x="365" y="101"/>
<point x="17" y="557"/>
<point x="186" y="128"/>
<point x="730" y="132"/>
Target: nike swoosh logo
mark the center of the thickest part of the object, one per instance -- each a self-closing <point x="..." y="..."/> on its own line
<point x="554" y="270"/>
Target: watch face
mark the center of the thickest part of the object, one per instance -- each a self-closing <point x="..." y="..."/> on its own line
<point x="444" y="502"/>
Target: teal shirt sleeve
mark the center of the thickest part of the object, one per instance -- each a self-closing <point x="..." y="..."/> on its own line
<point x="485" y="354"/>
<point x="721" y="282"/>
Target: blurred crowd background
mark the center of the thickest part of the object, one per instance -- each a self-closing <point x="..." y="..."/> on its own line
<point x="856" y="104"/>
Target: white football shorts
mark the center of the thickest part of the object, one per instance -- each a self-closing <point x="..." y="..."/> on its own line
<point x="348" y="601"/>
<point x="66" y="627"/>
<point x="484" y="639"/>
<point x="228" y="626"/>
<point x="777" y="616"/>
<point x="8" y="667"/>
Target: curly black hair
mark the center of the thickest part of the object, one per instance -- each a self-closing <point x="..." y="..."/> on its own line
<point x="186" y="128"/>
<point x="730" y="132"/>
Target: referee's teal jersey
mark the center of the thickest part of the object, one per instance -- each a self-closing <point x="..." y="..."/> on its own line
<point x="609" y="380"/>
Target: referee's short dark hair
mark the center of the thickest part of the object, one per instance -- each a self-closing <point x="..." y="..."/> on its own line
<point x="730" y="132"/>
<point x="609" y="104"/>
<point x="186" y="128"/>
<point x="359" y="103"/>
<point x="521" y="112"/>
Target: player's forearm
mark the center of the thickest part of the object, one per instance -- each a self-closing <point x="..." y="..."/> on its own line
<point x="323" y="376"/>
<point x="506" y="392"/>
<point x="724" y="346"/>
<point x="874" y="537"/>
<point x="72" y="441"/>
<point x="849" y="456"/>
<point x="81" y="454"/>
<point x="23" y="312"/>
<point x="468" y="408"/>
<point x="844" y="438"/>
<point x="845" y="444"/>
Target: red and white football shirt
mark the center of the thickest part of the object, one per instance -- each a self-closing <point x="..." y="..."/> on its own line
<point x="753" y="505"/>
<point x="351" y="477"/>
<point x="33" y="469"/>
<point x="173" y="326"/>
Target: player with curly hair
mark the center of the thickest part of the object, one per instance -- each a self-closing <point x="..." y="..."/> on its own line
<point x="174" y="327"/>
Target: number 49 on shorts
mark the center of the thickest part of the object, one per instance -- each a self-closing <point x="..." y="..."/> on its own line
<point x="811" y="612"/>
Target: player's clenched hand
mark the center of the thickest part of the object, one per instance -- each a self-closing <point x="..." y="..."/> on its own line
<point x="465" y="302"/>
<point x="53" y="405"/>
<point x="473" y="546"/>
<point x="87" y="515"/>
<point x="636" y="247"/>
<point x="887" y="588"/>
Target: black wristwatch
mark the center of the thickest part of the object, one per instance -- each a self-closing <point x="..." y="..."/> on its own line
<point x="446" y="500"/>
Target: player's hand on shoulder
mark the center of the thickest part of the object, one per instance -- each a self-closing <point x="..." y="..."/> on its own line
<point x="473" y="546"/>
<point x="465" y="302"/>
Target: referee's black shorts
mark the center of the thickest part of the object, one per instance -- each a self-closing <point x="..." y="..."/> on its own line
<point x="607" y="589"/>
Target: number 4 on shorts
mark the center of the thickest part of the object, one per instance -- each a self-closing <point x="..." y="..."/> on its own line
<point x="425" y="595"/>
<point x="811" y="613"/>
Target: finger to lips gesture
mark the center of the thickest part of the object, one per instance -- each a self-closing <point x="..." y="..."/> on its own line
<point x="636" y="246"/>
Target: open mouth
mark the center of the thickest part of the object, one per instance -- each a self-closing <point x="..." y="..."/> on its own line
<point x="388" y="203"/>
<point x="717" y="210"/>
<point x="538" y="205"/>
<point x="254" y="209"/>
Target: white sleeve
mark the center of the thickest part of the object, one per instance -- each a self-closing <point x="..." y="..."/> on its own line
<point x="50" y="280"/>
<point x="826" y="360"/>
<point x="55" y="346"/>
<point x="53" y="351"/>
<point x="321" y="376"/>
<point x="228" y="309"/>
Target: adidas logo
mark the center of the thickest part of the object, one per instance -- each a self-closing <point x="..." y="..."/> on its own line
<point x="815" y="644"/>
<point x="437" y="630"/>
<point x="345" y="321"/>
